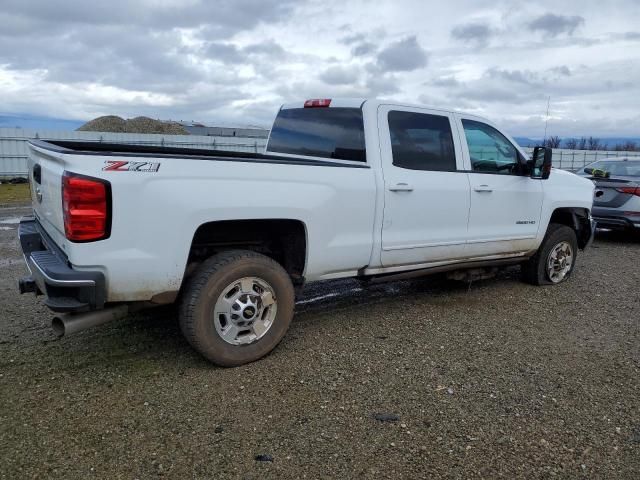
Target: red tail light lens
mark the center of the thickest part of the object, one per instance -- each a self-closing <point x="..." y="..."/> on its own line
<point x="317" y="103"/>
<point x="86" y="206"/>
<point x="629" y="190"/>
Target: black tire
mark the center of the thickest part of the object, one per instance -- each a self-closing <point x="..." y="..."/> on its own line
<point x="534" y="270"/>
<point x="205" y="287"/>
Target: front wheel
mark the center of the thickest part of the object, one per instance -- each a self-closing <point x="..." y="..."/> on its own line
<point x="555" y="260"/>
<point x="237" y="307"/>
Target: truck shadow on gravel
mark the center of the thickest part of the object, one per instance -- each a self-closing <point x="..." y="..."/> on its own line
<point x="154" y="335"/>
<point x="616" y="237"/>
<point x="344" y="294"/>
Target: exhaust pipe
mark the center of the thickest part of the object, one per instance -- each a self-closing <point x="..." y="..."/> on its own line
<point x="27" y="285"/>
<point x="69" y="323"/>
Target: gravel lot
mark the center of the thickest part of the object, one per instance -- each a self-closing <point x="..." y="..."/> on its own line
<point x="496" y="379"/>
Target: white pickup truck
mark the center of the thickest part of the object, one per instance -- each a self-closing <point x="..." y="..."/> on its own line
<point x="346" y="188"/>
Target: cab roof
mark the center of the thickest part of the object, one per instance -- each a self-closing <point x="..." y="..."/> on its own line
<point x="358" y="102"/>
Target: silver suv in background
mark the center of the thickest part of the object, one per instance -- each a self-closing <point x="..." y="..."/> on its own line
<point x="616" y="203"/>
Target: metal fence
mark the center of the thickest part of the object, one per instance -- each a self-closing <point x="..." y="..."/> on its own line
<point x="14" y="150"/>
<point x="574" y="160"/>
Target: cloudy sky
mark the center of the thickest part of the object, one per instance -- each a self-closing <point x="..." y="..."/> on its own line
<point x="237" y="61"/>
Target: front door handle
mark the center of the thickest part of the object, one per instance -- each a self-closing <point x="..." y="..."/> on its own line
<point x="483" y="188"/>
<point x="401" y="187"/>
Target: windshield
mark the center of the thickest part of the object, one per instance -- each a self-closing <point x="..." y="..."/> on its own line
<point x="623" y="168"/>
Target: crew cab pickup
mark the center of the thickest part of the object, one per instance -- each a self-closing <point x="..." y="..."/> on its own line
<point x="368" y="189"/>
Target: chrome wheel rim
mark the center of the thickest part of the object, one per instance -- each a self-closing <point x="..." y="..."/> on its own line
<point x="560" y="262"/>
<point x="245" y="311"/>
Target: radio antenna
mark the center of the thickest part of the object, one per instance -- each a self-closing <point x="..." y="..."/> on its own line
<point x="546" y="121"/>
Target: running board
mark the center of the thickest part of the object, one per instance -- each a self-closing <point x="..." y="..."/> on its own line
<point x="389" y="277"/>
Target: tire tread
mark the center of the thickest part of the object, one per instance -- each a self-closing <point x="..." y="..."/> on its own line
<point x="197" y="283"/>
<point x="533" y="271"/>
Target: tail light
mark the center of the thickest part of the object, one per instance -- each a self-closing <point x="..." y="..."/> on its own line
<point x="629" y="190"/>
<point x="86" y="206"/>
<point x="317" y="103"/>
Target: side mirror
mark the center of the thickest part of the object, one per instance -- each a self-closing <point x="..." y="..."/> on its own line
<point x="541" y="162"/>
<point x="588" y="171"/>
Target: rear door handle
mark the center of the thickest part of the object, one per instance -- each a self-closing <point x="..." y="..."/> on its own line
<point x="483" y="188"/>
<point x="401" y="187"/>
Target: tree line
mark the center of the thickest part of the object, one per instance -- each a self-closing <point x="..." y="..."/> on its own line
<point x="589" y="143"/>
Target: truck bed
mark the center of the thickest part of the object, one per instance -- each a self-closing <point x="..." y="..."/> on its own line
<point x="72" y="147"/>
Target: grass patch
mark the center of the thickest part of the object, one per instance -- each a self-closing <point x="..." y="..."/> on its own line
<point x="11" y="194"/>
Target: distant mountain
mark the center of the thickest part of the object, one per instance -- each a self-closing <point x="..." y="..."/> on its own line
<point x="34" y="122"/>
<point x="611" y="142"/>
<point x="527" y="142"/>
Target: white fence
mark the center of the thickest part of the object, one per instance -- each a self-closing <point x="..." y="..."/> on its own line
<point x="14" y="150"/>
<point x="573" y="160"/>
<point x="13" y="147"/>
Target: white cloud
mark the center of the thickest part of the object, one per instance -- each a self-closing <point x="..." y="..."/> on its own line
<point x="237" y="61"/>
<point x="337" y="75"/>
<point x="555" y="25"/>
<point x="402" y="56"/>
<point x="477" y="33"/>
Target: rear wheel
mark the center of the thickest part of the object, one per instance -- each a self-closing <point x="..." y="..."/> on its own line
<point x="237" y="307"/>
<point x="554" y="261"/>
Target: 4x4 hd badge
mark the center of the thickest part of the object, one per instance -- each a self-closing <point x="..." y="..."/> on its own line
<point x="122" y="166"/>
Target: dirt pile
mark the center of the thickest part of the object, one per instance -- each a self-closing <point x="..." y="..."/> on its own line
<point x="113" y="123"/>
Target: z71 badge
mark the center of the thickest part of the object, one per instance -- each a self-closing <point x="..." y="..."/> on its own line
<point x="122" y="166"/>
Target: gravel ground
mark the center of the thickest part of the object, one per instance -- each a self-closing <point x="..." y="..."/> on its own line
<point x="418" y="379"/>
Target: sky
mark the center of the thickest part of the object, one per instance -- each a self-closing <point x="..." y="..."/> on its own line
<point x="235" y="62"/>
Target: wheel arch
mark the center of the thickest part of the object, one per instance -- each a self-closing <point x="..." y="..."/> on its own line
<point x="576" y="218"/>
<point x="283" y="240"/>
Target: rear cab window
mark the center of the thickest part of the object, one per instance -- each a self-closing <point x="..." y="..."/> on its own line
<point x="331" y="132"/>
<point x="421" y="141"/>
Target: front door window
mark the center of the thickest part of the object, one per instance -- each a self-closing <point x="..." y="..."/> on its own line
<point x="490" y="151"/>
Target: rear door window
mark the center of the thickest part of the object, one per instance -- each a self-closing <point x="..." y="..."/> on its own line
<point x="336" y="133"/>
<point x="421" y="141"/>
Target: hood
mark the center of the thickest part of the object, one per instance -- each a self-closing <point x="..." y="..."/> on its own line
<point x="573" y="178"/>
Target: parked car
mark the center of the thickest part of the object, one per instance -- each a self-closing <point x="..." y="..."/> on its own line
<point x="346" y="188"/>
<point x="617" y="198"/>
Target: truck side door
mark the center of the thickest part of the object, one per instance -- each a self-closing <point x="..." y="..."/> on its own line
<point x="505" y="202"/>
<point x="426" y="192"/>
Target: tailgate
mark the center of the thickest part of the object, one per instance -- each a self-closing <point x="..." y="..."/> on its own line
<point x="45" y="176"/>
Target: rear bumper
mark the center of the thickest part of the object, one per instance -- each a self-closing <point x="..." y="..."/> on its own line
<point x="67" y="290"/>
<point x="615" y="219"/>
